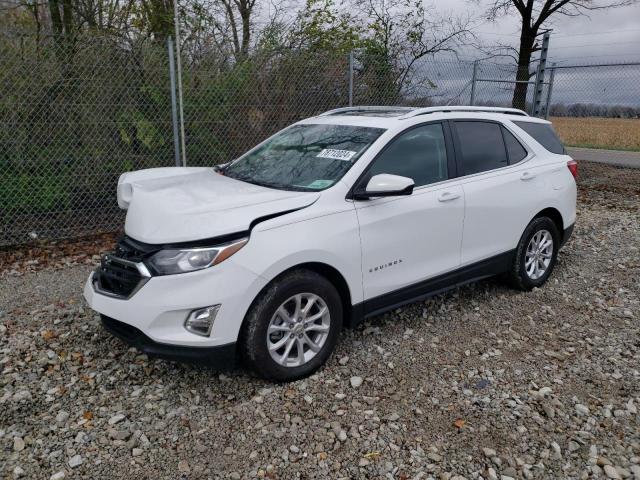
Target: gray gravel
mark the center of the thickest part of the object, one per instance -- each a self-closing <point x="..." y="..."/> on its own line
<point x="485" y="382"/>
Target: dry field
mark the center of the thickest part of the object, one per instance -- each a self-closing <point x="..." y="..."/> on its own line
<point x="610" y="133"/>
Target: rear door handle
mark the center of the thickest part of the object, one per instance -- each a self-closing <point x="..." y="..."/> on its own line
<point x="448" y="196"/>
<point x="527" y="176"/>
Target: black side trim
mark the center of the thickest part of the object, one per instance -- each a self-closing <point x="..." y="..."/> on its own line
<point x="364" y="195"/>
<point x="433" y="286"/>
<point x="274" y="215"/>
<point x="567" y="234"/>
<point x="222" y="357"/>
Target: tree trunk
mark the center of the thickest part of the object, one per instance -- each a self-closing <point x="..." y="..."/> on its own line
<point x="527" y="41"/>
<point x="245" y="15"/>
<point x="56" y="20"/>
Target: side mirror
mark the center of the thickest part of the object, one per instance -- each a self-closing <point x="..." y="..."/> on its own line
<point x="386" y="185"/>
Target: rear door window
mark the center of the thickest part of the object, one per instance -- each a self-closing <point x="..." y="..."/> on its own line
<point x="544" y="134"/>
<point x="515" y="150"/>
<point x="482" y="147"/>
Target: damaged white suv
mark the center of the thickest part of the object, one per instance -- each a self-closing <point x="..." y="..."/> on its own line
<point x="332" y="220"/>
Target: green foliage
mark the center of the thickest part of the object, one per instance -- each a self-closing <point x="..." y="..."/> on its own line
<point x="134" y="129"/>
<point x="35" y="193"/>
<point x="321" y="26"/>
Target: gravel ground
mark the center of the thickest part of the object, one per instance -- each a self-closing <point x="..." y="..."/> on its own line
<point x="484" y="382"/>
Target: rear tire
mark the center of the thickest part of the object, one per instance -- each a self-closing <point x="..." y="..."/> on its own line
<point x="535" y="255"/>
<point x="292" y="327"/>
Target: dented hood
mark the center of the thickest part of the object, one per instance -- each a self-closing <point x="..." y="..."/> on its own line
<point x="169" y="205"/>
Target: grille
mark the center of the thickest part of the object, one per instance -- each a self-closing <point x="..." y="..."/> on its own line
<point x="119" y="274"/>
<point x="118" y="277"/>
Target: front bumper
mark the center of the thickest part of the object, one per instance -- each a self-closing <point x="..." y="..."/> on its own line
<point x="221" y="357"/>
<point x="160" y="307"/>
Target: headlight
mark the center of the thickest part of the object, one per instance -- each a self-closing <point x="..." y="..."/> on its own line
<point x="170" y="261"/>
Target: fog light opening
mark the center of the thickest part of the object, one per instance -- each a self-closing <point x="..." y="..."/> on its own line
<point x="200" y="321"/>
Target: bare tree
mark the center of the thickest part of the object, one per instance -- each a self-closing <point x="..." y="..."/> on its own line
<point x="240" y="34"/>
<point x="401" y="33"/>
<point x="535" y="15"/>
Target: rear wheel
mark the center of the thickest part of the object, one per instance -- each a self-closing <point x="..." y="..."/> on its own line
<point x="536" y="254"/>
<point x="292" y="327"/>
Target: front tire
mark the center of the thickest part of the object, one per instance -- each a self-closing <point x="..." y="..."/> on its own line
<point x="535" y="255"/>
<point x="292" y="326"/>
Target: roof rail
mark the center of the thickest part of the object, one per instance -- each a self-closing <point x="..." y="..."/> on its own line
<point x="366" y="108"/>
<point x="423" y="111"/>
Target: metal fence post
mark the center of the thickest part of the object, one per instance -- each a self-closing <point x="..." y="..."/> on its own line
<point x="539" y="85"/>
<point x="174" y="107"/>
<point x="351" y="78"/>
<point x="176" y="23"/>
<point x="549" y="90"/>
<point x="474" y="76"/>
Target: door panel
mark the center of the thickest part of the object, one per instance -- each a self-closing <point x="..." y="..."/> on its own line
<point x="408" y="239"/>
<point x="497" y="204"/>
<point x="498" y="197"/>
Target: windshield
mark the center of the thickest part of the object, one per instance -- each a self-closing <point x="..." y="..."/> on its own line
<point x="304" y="157"/>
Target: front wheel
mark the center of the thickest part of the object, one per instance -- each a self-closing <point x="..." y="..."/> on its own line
<point x="292" y="327"/>
<point x="535" y="255"/>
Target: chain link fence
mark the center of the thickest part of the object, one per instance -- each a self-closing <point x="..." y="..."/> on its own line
<point x="68" y="126"/>
<point x="604" y="90"/>
<point x="72" y="122"/>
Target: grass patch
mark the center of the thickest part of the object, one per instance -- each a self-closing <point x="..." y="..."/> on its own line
<point x="594" y="132"/>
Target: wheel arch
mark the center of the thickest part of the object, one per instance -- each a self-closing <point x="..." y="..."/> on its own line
<point x="330" y="273"/>
<point x="555" y="215"/>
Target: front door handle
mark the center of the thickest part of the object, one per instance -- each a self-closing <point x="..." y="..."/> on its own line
<point x="527" y="176"/>
<point x="448" y="196"/>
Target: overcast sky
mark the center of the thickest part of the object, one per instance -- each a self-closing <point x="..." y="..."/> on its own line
<point x="603" y="36"/>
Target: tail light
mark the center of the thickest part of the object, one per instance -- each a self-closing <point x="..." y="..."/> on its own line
<point x="572" y="165"/>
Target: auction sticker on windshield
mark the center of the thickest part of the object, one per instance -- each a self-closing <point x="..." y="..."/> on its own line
<point x="336" y="154"/>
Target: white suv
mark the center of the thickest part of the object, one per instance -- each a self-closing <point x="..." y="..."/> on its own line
<point x="332" y="220"/>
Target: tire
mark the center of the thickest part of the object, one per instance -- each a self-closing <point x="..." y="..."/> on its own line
<point x="524" y="275"/>
<point x="266" y="312"/>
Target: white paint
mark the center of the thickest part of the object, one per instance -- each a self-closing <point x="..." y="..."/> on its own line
<point x="436" y="229"/>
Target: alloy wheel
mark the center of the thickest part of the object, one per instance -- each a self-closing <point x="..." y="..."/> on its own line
<point x="298" y="329"/>
<point x="539" y="254"/>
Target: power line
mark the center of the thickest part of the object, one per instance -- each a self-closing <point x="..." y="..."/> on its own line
<point x="597" y="33"/>
<point x="595" y="45"/>
<point x="566" y="34"/>
<point x="555" y="59"/>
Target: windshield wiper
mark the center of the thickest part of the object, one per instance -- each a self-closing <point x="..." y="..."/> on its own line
<point x="277" y="186"/>
<point x="252" y="181"/>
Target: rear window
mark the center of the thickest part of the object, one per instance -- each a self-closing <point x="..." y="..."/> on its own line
<point x="544" y="134"/>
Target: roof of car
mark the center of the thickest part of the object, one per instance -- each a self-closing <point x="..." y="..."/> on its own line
<point x="392" y="116"/>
